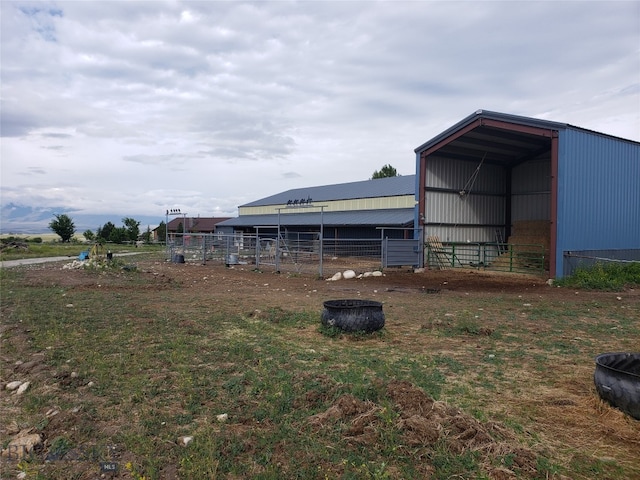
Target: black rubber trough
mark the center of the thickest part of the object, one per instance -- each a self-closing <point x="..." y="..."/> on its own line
<point x="617" y="379"/>
<point x="353" y="315"/>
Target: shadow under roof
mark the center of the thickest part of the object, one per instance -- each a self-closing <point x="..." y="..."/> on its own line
<point x="497" y="138"/>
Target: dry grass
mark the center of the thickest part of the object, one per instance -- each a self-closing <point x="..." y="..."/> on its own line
<point x="489" y="378"/>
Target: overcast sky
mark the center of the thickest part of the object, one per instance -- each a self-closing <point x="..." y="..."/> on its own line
<point x="129" y="108"/>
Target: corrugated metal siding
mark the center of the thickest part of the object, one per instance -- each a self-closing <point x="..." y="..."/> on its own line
<point x="448" y="173"/>
<point x="485" y="205"/>
<point x="531" y="191"/>
<point x="399" y="252"/>
<point x="379" y="203"/>
<point x="461" y="234"/>
<point x="531" y="177"/>
<point x="443" y="207"/>
<point x="598" y="193"/>
<point x="530" y="207"/>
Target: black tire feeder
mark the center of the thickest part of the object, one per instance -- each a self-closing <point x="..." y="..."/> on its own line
<point x="617" y="379"/>
<point x="353" y="315"/>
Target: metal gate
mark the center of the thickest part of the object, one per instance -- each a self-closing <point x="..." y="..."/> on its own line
<point x="397" y="252"/>
<point x="292" y="252"/>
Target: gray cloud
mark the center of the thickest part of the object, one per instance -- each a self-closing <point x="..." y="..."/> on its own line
<point x="291" y="175"/>
<point x="35" y="171"/>
<point x="204" y="105"/>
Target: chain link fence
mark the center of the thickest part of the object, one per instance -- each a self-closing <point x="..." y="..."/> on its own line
<point x="293" y="253"/>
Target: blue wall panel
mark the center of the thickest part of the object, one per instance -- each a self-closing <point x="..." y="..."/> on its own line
<point x="598" y="193"/>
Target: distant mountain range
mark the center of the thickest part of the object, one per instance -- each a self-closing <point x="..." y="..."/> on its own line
<point x="21" y="220"/>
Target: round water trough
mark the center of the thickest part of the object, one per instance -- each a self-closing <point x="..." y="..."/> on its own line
<point x="178" y="258"/>
<point x="353" y="315"/>
<point x="617" y="379"/>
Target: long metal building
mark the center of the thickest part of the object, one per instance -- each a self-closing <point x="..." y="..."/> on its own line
<point x="498" y="178"/>
<point x="345" y="210"/>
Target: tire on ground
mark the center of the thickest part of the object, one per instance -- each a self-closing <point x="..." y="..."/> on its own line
<point x="353" y="315"/>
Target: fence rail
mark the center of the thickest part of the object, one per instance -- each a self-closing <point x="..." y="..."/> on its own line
<point x="505" y="257"/>
<point x="297" y="253"/>
<point x="574" y="260"/>
<point x="307" y="253"/>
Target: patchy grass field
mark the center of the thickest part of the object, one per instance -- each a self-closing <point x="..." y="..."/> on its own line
<point x="21" y="249"/>
<point x="190" y="371"/>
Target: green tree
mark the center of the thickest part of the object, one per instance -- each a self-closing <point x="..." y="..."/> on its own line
<point x="385" y="172"/>
<point x="162" y="232"/>
<point x="88" y="235"/>
<point x="132" y="228"/>
<point x="63" y="226"/>
<point x="146" y="236"/>
<point x="104" y="233"/>
<point x="118" y="235"/>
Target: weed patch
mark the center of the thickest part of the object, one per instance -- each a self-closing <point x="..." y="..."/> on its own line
<point x="604" y="276"/>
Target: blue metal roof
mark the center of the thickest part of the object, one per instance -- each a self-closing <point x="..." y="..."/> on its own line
<point x="377" y="218"/>
<point x="382" y="187"/>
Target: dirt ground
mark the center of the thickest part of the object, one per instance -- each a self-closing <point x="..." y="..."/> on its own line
<point x="245" y="287"/>
<point x="564" y="413"/>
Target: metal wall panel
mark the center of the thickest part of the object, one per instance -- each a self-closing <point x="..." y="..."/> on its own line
<point x="598" y="193"/>
<point x="378" y="203"/>
<point x="399" y="252"/>
<point x="483" y="205"/>
<point x="531" y="207"/>
<point x="531" y="191"/>
<point x="461" y="234"/>
<point x="456" y="174"/>
<point x="443" y="207"/>
<point x="531" y="177"/>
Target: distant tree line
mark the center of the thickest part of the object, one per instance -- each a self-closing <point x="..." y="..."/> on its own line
<point x="64" y="227"/>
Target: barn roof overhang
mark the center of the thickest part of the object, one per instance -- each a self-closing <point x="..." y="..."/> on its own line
<point x="496" y="138"/>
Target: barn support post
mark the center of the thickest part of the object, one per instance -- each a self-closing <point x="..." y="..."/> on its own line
<point x="553" y="227"/>
<point x="277" y="259"/>
<point x="321" y="271"/>
<point x="507" y="210"/>
<point x="421" y="186"/>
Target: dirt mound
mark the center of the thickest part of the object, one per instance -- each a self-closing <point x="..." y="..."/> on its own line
<point x="426" y="426"/>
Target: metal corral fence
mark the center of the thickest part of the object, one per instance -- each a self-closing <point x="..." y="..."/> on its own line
<point x="293" y="253"/>
<point x="588" y="258"/>
<point x="505" y="257"/>
<point x="300" y="253"/>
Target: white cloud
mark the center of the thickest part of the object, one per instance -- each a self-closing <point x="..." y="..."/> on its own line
<point x="129" y="108"/>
